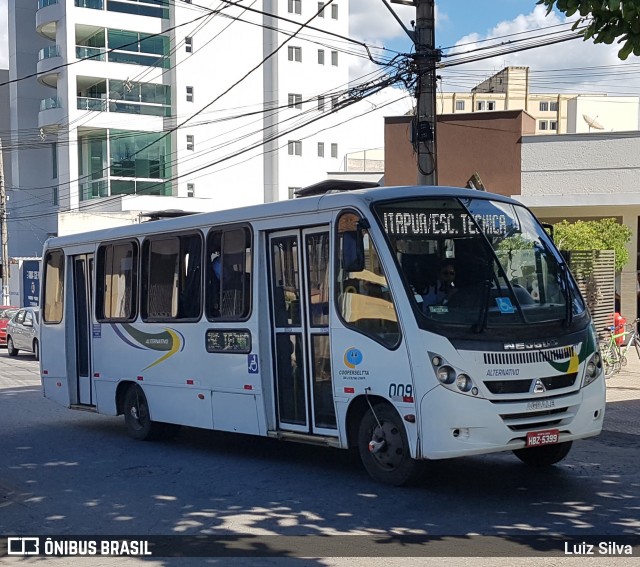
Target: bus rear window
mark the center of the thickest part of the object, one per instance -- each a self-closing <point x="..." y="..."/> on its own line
<point x="53" y="302"/>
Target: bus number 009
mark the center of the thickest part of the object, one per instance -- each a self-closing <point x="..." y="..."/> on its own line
<point x="400" y="390"/>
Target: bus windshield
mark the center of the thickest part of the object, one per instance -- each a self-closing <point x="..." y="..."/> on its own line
<point x="479" y="263"/>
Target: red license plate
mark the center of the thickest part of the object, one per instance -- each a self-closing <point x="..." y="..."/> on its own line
<point x="546" y="437"/>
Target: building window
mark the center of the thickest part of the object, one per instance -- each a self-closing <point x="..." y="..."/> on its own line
<point x="295" y="147"/>
<point x="334" y="102"/>
<point x="320" y="56"/>
<point x="480" y="105"/>
<point x="320" y="149"/>
<point x="334" y="11"/>
<point x="334" y="150"/>
<point x="188" y="44"/>
<point x="295" y="100"/>
<point x="321" y="103"/>
<point x="459" y="104"/>
<point x="189" y="94"/>
<point x="544" y="106"/>
<point x="191" y="190"/>
<point x="54" y="160"/>
<point x="295" y="6"/>
<point x="190" y="142"/>
<point x="320" y="9"/>
<point x="491" y="105"/>
<point x="295" y="53"/>
<point x="553" y="106"/>
<point x="542" y="125"/>
<point x="553" y="125"/>
<point x="55" y="199"/>
<point x="334" y="58"/>
<point x="292" y="192"/>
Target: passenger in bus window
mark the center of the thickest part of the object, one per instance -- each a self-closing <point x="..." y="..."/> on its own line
<point x="443" y="289"/>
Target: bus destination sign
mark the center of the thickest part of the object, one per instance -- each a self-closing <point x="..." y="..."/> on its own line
<point x="448" y="225"/>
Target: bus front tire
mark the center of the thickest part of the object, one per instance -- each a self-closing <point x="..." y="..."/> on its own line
<point x="544" y="456"/>
<point x="137" y="417"/>
<point x="392" y="462"/>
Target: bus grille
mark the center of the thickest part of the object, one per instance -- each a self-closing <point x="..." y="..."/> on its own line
<point x="537" y="419"/>
<point x="523" y="386"/>
<point x="529" y="357"/>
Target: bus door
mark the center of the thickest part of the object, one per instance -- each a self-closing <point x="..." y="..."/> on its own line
<point x="82" y="294"/>
<point x="300" y="298"/>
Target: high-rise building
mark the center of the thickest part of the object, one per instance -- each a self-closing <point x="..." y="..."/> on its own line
<point x="114" y="99"/>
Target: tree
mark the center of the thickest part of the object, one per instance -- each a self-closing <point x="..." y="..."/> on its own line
<point x="606" y="20"/>
<point x="604" y="234"/>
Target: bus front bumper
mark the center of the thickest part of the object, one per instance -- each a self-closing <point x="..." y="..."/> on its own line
<point x="457" y="425"/>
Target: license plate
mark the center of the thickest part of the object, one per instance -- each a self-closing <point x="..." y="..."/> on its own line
<point x="546" y="437"/>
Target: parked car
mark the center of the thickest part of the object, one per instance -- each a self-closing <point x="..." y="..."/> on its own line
<point x="23" y="332"/>
<point x="6" y="312"/>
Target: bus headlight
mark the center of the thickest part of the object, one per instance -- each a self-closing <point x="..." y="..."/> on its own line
<point x="446" y="374"/>
<point x="463" y="382"/>
<point x="593" y="369"/>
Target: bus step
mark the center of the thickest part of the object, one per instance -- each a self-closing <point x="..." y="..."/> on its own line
<point x="305" y="438"/>
<point x="80" y="407"/>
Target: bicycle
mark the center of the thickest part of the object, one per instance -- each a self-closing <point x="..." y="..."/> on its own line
<point x="632" y="329"/>
<point x="613" y="359"/>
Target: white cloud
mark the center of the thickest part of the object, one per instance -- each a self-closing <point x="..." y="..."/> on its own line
<point x="582" y="66"/>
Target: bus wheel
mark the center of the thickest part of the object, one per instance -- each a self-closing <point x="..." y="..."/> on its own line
<point x="137" y="417"/>
<point x="11" y="350"/>
<point x="544" y="456"/>
<point x="384" y="447"/>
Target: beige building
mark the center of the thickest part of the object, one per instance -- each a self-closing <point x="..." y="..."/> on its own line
<point x="559" y="113"/>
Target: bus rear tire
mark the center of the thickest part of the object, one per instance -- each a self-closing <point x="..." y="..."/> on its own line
<point x="392" y="464"/>
<point x="137" y="417"/>
<point x="544" y="456"/>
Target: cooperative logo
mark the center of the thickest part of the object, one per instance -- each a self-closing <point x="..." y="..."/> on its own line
<point x="352" y="357"/>
<point x="168" y="340"/>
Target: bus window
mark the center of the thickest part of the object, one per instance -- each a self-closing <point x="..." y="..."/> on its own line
<point x="229" y="274"/>
<point x="171" y="275"/>
<point x="53" y="287"/>
<point x="116" y="280"/>
<point x="364" y="299"/>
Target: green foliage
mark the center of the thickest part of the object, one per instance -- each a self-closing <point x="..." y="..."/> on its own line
<point x="605" y="234"/>
<point x="606" y="21"/>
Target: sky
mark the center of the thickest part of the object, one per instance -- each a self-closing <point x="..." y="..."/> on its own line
<point x="472" y="23"/>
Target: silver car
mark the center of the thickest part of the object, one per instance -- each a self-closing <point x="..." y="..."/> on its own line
<point x="23" y="332"/>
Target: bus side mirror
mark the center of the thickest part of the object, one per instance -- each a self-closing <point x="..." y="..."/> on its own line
<point x="352" y="251"/>
<point x="548" y="228"/>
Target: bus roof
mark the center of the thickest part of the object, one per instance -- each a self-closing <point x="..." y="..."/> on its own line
<point x="311" y="204"/>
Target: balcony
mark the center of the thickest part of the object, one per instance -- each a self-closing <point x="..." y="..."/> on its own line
<point x="47" y="17"/>
<point x="93" y="53"/>
<point x="89" y="103"/>
<point x="51" y="113"/>
<point x="91" y="4"/>
<point x="49" y="62"/>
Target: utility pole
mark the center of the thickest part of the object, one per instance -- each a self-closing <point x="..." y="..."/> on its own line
<point x="5" y="233"/>
<point x="425" y="59"/>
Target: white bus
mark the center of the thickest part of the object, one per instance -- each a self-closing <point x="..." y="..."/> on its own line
<point x="309" y="320"/>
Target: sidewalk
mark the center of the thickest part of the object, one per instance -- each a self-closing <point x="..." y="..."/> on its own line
<point x="623" y="398"/>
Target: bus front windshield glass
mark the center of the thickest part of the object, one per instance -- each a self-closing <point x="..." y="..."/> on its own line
<point x="478" y="263"/>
